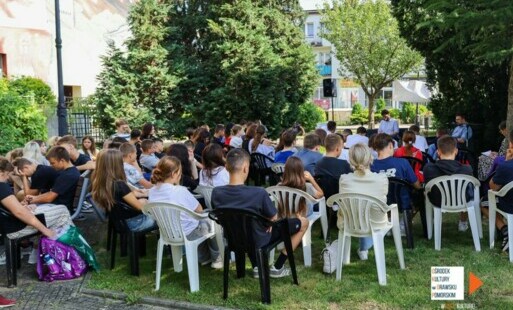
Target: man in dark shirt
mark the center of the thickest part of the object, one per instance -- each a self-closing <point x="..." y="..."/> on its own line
<point x="239" y="196"/>
<point x="63" y="190"/>
<point x="81" y="161"/>
<point x="330" y="165"/>
<point x="41" y="177"/>
<point x="447" y="165"/>
<point x="504" y="175"/>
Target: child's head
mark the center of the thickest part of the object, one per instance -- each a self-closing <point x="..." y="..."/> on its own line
<point x="25" y="166"/>
<point x="69" y="142"/>
<point x="294" y="173"/>
<point x="122" y="126"/>
<point x="334" y="144"/>
<point x="322" y="134"/>
<point x="129" y="152"/>
<point x="158" y="144"/>
<point x="58" y="157"/>
<point x="415" y="129"/>
<point x="88" y="144"/>
<point x="384" y="142"/>
<point x="147" y="146"/>
<point x="312" y="142"/>
<point x="288" y="137"/>
<point x="168" y="167"/>
<point x="212" y="157"/>
<point x="135" y="135"/>
<point x="447" y="147"/>
<point x="237" y="131"/>
<point x="219" y="130"/>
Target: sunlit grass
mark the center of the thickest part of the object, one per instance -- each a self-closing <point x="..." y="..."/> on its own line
<point x="359" y="289"/>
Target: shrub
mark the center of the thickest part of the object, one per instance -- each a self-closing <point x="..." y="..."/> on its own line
<point x="29" y="86"/>
<point x="408" y="112"/>
<point x="359" y="115"/>
<point x="309" y="115"/>
<point x="380" y="105"/>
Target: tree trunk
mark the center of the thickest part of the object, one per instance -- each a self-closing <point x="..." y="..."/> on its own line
<point x="510" y="97"/>
<point x="371" y="110"/>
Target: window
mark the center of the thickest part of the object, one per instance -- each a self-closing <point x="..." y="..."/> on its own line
<point x="3" y="65"/>
<point x="322" y="28"/>
<point x="309" y="30"/>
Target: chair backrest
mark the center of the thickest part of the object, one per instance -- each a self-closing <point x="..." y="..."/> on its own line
<point x="288" y="197"/>
<point x="206" y="192"/>
<point x="278" y="168"/>
<point x="360" y="213"/>
<point x="453" y="190"/>
<point x="505" y="189"/>
<point x="168" y="218"/>
<point x="239" y="226"/>
<point x="399" y="192"/>
<point x="80" y="192"/>
<point x="260" y="161"/>
<point x="415" y="163"/>
<point x="427" y="158"/>
<point x="121" y="212"/>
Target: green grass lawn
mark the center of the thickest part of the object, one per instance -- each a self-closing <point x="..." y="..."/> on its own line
<point x="358" y="289"/>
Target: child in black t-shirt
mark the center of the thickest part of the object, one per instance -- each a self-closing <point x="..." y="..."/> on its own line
<point x="41" y="177"/>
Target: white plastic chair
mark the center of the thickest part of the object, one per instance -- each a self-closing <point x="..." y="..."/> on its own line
<point x="278" y="168"/>
<point x="366" y="216"/>
<point x="290" y="197"/>
<point x="453" y="192"/>
<point x="492" y="213"/>
<point x="206" y="193"/>
<point x="167" y="217"/>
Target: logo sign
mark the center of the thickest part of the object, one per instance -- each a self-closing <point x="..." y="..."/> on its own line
<point x="447" y="283"/>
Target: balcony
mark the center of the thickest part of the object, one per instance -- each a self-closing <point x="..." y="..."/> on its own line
<point x="324" y="70"/>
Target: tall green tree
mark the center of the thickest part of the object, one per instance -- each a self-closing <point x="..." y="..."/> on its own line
<point x="464" y="83"/>
<point x="137" y="84"/>
<point x="368" y="45"/>
<point x="242" y="60"/>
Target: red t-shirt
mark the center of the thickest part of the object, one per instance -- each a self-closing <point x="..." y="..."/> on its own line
<point x="416" y="153"/>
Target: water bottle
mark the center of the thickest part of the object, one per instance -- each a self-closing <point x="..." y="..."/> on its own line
<point x="50" y="263"/>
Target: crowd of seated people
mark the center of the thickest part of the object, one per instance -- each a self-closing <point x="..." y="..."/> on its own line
<point x="221" y="159"/>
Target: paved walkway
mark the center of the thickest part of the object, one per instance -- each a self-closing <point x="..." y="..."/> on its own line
<point x="33" y="294"/>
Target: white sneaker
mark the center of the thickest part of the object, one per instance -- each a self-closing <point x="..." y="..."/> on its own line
<point x="218" y="263"/>
<point x="364" y="255"/>
<point x="463" y="226"/>
<point x="33" y="257"/>
<point x="279" y="273"/>
<point x="255" y="273"/>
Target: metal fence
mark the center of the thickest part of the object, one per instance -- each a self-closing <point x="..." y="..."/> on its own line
<point x="82" y="119"/>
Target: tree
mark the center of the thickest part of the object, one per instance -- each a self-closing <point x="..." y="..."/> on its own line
<point x="368" y="45"/>
<point x="463" y="83"/>
<point x="242" y="60"/>
<point x="490" y="25"/>
<point x="137" y="84"/>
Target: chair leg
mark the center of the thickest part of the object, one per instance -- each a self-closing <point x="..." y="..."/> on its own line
<point x="290" y="254"/>
<point x="396" y="232"/>
<point x="422" y="212"/>
<point x="473" y="227"/>
<point x="340" y="247"/>
<point x="110" y="232"/>
<point x="263" y="276"/>
<point x="492" y="214"/>
<point x="379" y="253"/>
<point x="429" y="220"/>
<point x="177" y="254"/>
<point x="113" y="249"/>
<point x="10" y="263"/>
<point x="160" y="250"/>
<point x="123" y="244"/>
<point x="17" y="252"/>
<point x="307" y="247"/>
<point x="479" y="220"/>
<point x="240" y="264"/>
<point x="132" y="253"/>
<point x="226" y="269"/>
<point x="191" y="254"/>
<point x="407" y="218"/>
<point x="510" y="233"/>
<point x="346" y="258"/>
<point x="438" y="228"/>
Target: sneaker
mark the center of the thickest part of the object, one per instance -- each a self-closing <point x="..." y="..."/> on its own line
<point x="505" y="244"/>
<point x="204" y="263"/>
<point x="463" y="226"/>
<point x="279" y="273"/>
<point x="4" y="302"/>
<point x="33" y="257"/>
<point x="86" y="209"/>
<point x="364" y="255"/>
<point x="255" y="272"/>
<point x="218" y="263"/>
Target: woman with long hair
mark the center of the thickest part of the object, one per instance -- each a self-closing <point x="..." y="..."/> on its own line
<point x="201" y="138"/>
<point x="249" y="134"/>
<point x="148" y="131"/>
<point x="409" y="150"/>
<point x="259" y="144"/>
<point x="213" y="172"/>
<point x="166" y="177"/>
<point x="363" y="181"/>
<point x="189" y="171"/>
<point x="89" y="147"/>
<point x="295" y="176"/>
<point x="32" y="151"/>
<point x="109" y="188"/>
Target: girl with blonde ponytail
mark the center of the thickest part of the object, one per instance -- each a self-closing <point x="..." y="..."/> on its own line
<point x="166" y="177"/>
<point x="363" y="181"/>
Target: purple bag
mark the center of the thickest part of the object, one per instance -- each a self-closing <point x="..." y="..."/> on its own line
<point x="58" y="261"/>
